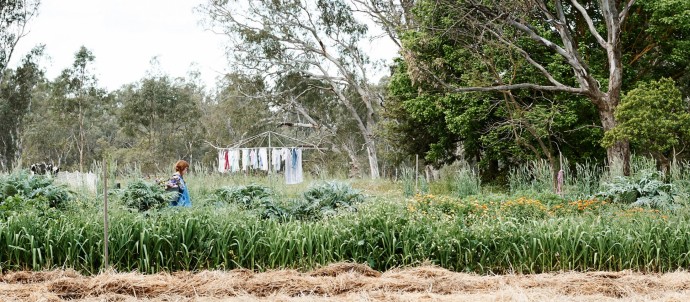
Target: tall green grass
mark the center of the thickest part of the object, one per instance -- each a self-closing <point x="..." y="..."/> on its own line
<point x="382" y="233"/>
<point x="535" y="176"/>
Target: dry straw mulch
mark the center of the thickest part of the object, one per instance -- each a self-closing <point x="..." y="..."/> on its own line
<point x="343" y="282"/>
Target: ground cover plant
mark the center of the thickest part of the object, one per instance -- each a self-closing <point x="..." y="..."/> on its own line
<point x="367" y="222"/>
<point x="22" y="191"/>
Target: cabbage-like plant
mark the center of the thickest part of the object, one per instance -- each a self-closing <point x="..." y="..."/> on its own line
<point x="249" y="196"/>
<point x="144" y="196"/>
<point x="645" y="190"/>
<point x="326" y="200"/>
<point x="33" y="187"/>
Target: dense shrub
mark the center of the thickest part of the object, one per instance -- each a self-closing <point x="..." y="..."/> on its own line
<point x="249" y="197"/>
<point x="326" y="200"/>
<point x="647" y="189"/>
<point x="143" y="196"/>
<point x="33" y="187"/>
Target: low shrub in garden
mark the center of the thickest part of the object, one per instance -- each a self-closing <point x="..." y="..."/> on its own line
<point x="581" y="206"/>
<point x="33" y="187"/>
<point x="143" y="196"/>
<point x="253" y="197"/>
<point x="430" y="204"/>
<point x="323" y="200"/>
<point x="523" y="208"/>
<point x="318" y="201"/>
<point x="249" y="197"/>
<point x="326" y="199"/>
<point x="647" y="189"/>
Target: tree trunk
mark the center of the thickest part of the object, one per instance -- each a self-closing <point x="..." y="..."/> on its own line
<point x="373" y="158"/>
<point x="618" y="155"/>
<point x="354" y="163"/>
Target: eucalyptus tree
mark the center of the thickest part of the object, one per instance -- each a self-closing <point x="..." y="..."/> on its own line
<point x="318" y="39"/>
<point x="160" y="117"/>
<point x="15" y="15"/>
<point x="239" y="108"/>
<point x="585" y="37"/>
<point x="76" y="95"/>
<point x="394" y="17"/>
<point x="313" y="113"/>
<point x="16" y="97"/>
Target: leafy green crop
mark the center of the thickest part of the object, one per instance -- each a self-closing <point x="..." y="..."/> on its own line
<point x="318" y="202"/>
<point x="33" y="187"/>
<point x="144" y="196"/>
<point x="645" y="190"/>
<point x="249" y="196"/>
<point x="326" y="200"/>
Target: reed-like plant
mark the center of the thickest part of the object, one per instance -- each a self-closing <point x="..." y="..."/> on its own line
<point x="534" y="176"/>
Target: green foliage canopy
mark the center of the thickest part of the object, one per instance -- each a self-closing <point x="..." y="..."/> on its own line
<point x="654" y="117"/>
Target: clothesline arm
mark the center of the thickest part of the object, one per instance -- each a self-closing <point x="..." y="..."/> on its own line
<point x="263" y="136"/>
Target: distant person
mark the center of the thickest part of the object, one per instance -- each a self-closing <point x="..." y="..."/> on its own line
<point x="177" y="182"/>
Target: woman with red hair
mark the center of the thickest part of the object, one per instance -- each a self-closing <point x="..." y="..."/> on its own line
<point x="177" y="182"/>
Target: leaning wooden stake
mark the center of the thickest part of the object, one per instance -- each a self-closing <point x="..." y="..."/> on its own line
<point x="105" y="214"/>
<point x="416" y="174"/>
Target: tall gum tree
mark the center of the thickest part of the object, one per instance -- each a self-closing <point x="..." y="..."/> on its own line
<point x="319" y="39"/>
<point x="15" y="15"/>
<point x="570" y="30"/>
<point x="73" y="92"/>
<point x="15" y="101"/>
<point x="16" y="98"/>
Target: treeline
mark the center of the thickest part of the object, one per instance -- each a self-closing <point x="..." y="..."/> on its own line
<point x="510" y="81"/>
<point x="73" y="122"/>
<point x="495" y="84"/>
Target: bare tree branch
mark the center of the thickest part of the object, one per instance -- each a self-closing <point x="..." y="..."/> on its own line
<point x="580" y="91"/>
<point x="590" y="23"/>
<point x="624" y="12"/>
<point x="529" y="59"/>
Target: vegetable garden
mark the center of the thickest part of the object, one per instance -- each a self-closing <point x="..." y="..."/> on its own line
<point x="641" y="223"/>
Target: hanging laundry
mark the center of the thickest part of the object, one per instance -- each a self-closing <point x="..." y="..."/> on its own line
<point x="284" y="152"/>
<point x="298" y="165"/>
<point x="275" y="159"/>
<point x="263" y="159"/>
<point x="229" y="160"/>
<point x="245" y="159"/>
<point x="235" y="163"/>
<point x="223" y="164"/>
<point x="254" y="161"/>
<point x="293" y="167"/>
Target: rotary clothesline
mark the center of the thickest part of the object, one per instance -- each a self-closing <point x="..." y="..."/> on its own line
<point x="282" y="158"/>
<point x="288" y="160"/>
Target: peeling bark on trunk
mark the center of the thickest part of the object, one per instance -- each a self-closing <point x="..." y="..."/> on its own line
<point x="618" y="155"/>
<point x="372" y="156"/>
<point x="354" y="163"/>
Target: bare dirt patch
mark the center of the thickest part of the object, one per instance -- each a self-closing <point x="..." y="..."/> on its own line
<point x="343" y="282"/>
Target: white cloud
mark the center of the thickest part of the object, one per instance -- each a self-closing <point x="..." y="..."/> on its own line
<point x="125" y="35"/>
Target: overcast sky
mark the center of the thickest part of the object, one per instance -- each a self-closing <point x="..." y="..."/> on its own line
<point x="125" y="35"/>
